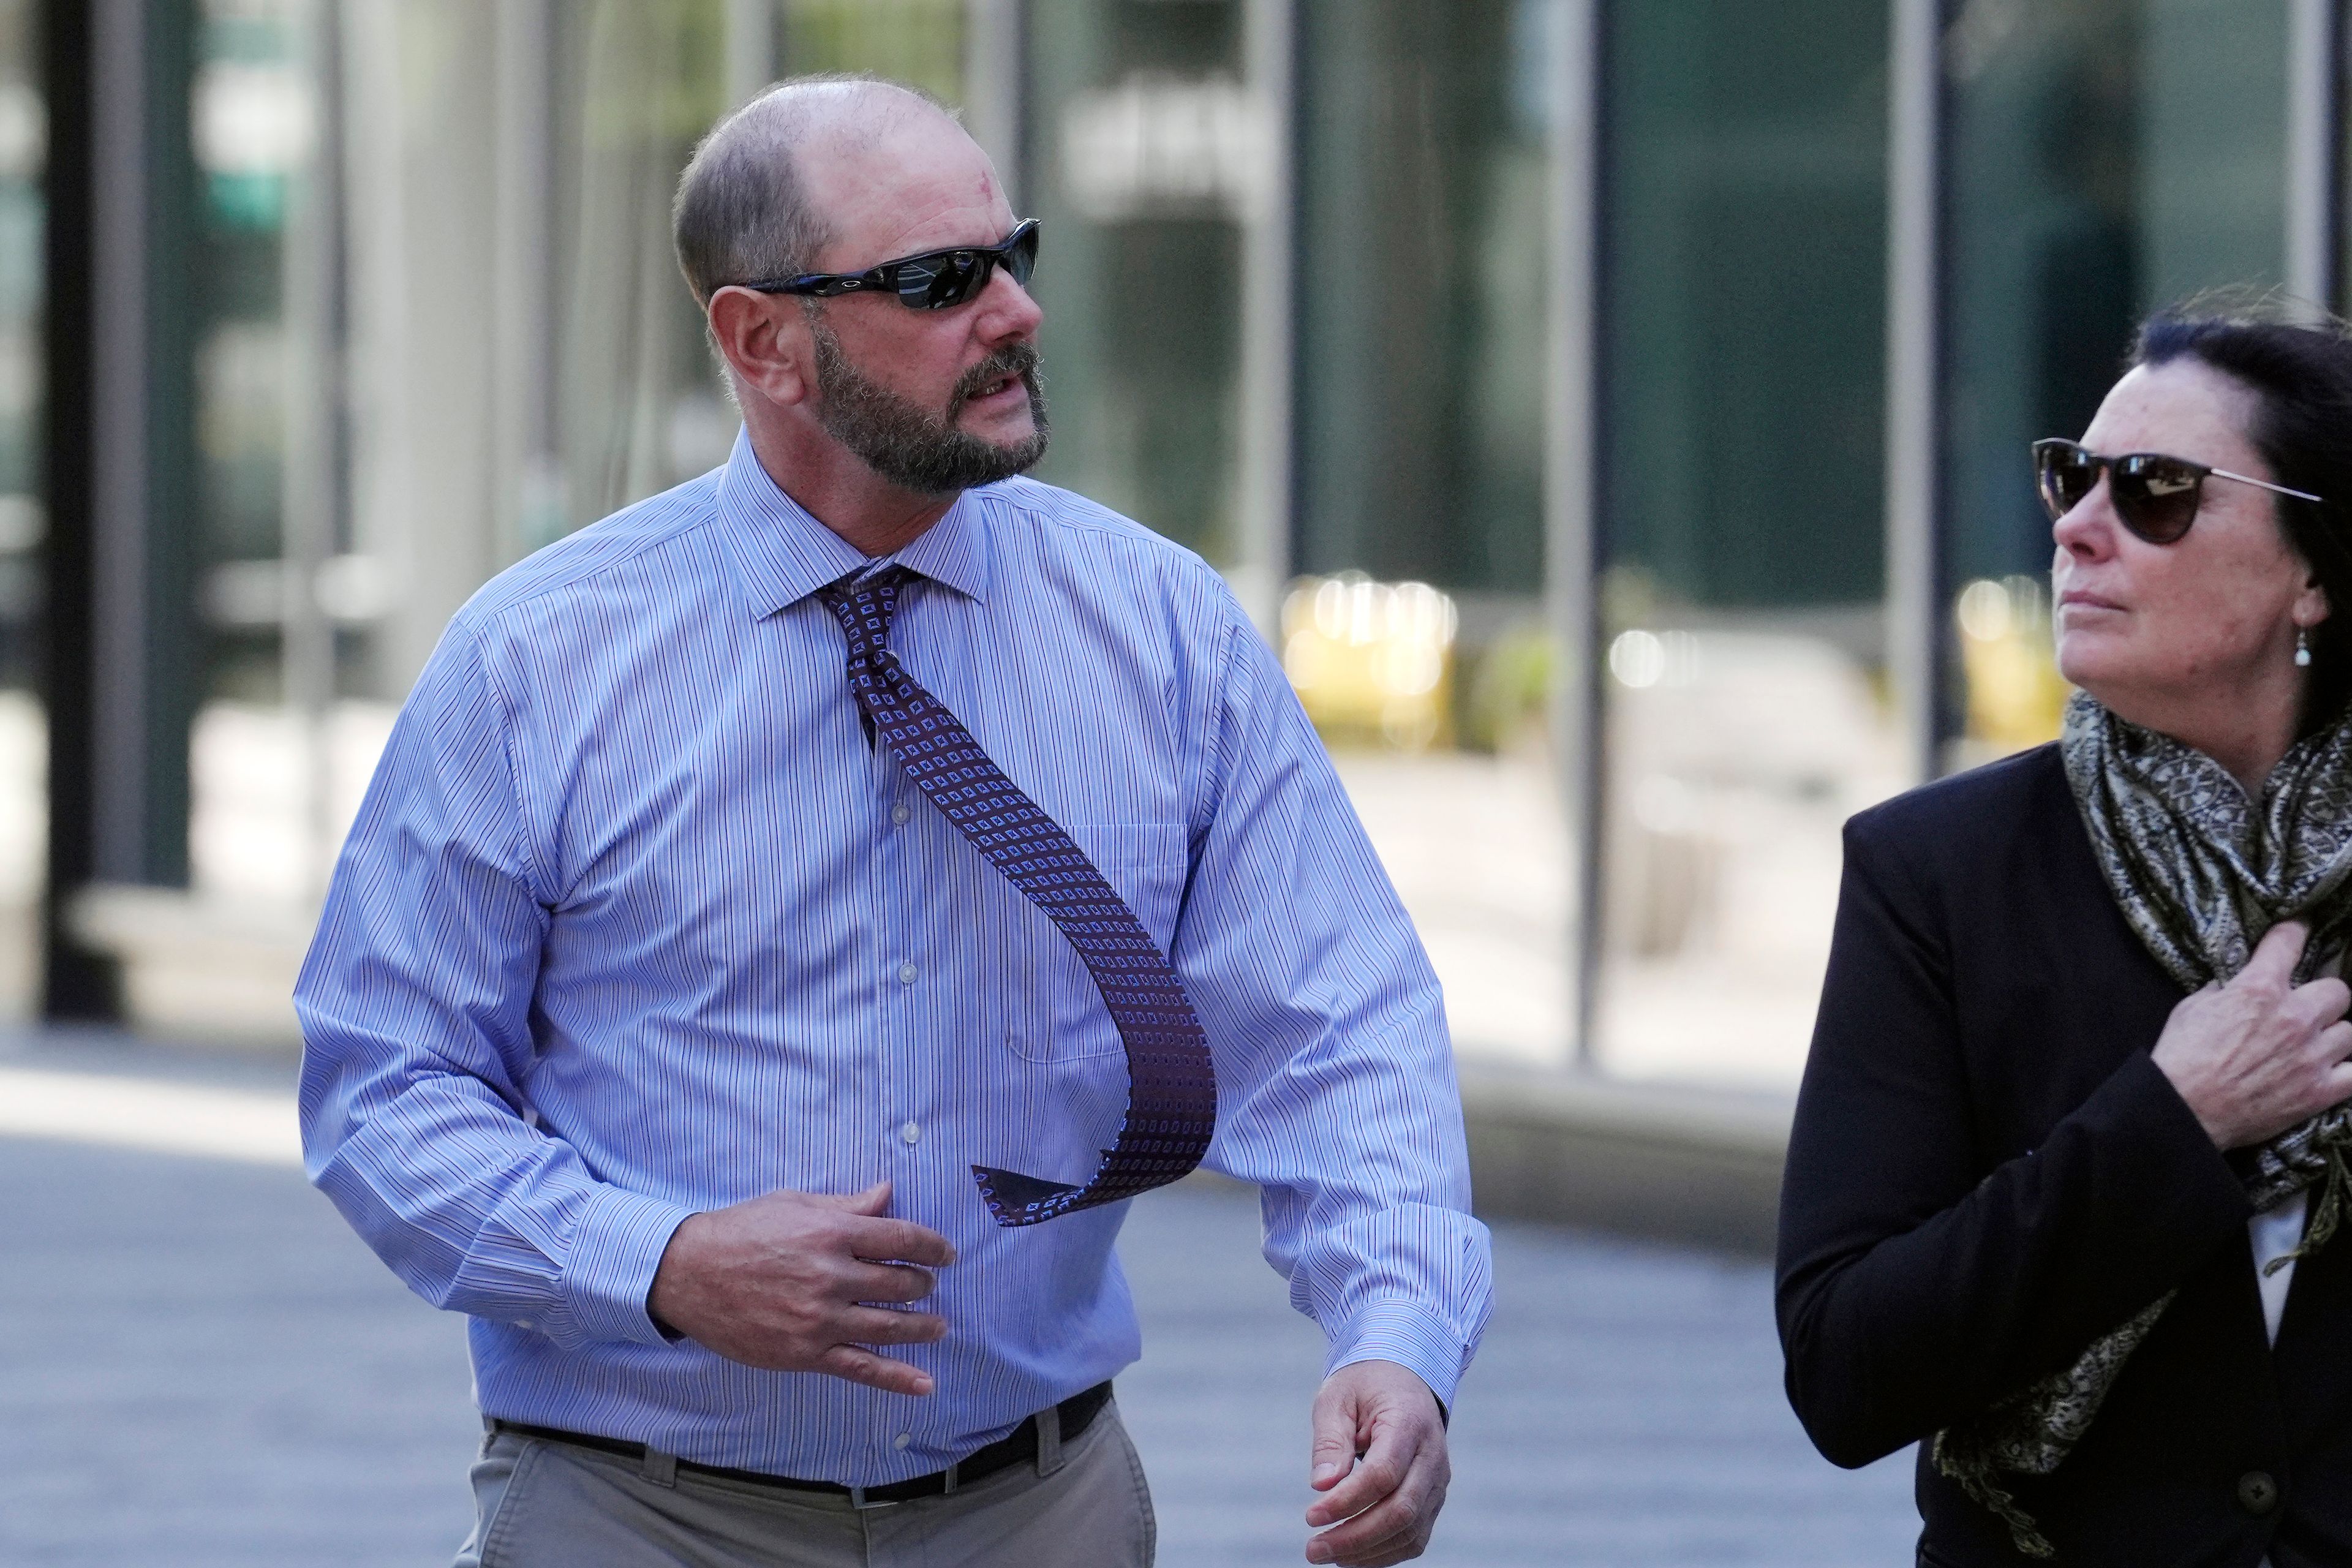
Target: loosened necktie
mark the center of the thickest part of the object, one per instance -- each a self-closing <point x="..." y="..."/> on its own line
<point x="1171" y="1106"/>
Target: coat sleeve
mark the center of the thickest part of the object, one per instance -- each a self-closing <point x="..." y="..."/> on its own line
<point x="1916" y="1286"/>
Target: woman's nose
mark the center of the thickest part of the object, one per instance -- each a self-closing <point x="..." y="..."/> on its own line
<point x="2088" y="528"/>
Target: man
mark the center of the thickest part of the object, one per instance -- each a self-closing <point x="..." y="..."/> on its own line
<point x="686" y="1010"/>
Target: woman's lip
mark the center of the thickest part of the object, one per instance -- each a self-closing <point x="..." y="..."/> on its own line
<point x="2078" y="598"/>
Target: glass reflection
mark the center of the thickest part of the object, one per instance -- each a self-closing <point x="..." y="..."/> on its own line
<point x="1143" y="153"/>
<point x="1741" y="597"/>
<point x="24" y="755"/>
<point x="446" y="225"/>
<point x="2106" y="157"/>
<point x="1424" y="256"/>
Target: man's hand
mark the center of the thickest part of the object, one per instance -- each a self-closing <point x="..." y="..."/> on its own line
<point x="1380" y="1461"/>
<point x="781" y="1282"/>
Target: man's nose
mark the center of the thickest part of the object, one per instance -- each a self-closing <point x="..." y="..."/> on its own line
<point x="1008" y="310"/>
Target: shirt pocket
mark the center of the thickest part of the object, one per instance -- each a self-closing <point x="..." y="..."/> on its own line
<point x="1063" y="1017"/>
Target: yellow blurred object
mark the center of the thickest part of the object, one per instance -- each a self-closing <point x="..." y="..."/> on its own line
<point x="1369" y="660"/>
<point x="2016" y="697"/>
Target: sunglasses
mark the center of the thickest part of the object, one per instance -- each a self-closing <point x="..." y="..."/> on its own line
<point x="934" y="280"/>
<point x="2154" y="495"/>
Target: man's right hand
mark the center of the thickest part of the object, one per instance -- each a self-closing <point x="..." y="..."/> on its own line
<point x="2260" y="1054"/>
<point x="781" y="1282"/>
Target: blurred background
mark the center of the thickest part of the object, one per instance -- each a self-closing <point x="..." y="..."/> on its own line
<point x="1615" y="411"/>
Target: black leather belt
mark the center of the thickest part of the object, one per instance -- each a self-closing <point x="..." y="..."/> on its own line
<point x="1073" y="1416"/>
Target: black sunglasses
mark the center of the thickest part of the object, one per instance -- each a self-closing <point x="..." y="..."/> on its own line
<point x="2155" y="496"/>
<point x="935" y="280"/>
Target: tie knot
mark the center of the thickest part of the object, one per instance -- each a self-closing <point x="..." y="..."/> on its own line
<point x="865" y="601"/>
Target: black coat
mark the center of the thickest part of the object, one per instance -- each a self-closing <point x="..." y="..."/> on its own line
<point x="1987" y="1173"/>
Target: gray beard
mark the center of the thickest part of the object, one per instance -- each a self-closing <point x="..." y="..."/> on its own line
<point x="906" y="443"/>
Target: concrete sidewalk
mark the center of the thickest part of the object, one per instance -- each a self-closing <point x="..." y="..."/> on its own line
<point x="199" y="1366"/>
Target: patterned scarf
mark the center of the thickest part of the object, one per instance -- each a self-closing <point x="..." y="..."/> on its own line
<point x="2201" y="873"/>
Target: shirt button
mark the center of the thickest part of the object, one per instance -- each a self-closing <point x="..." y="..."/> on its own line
<point x="902" y="1439"/>
<point x="900" y="813"/>
<point x="907" y="972"/>
<point x="911" y="1133"/>
<point x="2257" y="1493"/>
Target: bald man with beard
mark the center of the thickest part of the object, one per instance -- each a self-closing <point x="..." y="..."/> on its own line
<point x="795" y="914"/>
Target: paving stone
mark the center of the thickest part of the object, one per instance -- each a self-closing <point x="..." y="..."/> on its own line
<point x="200" y="1365"/>
<point x="1624" y="1409"/>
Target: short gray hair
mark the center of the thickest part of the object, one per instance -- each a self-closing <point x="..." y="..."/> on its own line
<point x="743" y="211"/>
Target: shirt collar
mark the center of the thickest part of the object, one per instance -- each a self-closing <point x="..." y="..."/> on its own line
<point x="954" y="550"/>
<point x="785" y="554"/>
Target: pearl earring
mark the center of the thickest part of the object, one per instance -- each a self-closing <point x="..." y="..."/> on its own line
<point x="2302" y="648"/>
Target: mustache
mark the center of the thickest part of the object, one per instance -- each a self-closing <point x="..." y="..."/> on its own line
<point x="1013" y="359"/>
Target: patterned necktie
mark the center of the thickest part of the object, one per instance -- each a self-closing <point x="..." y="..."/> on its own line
<point x="1171" y="1105"/>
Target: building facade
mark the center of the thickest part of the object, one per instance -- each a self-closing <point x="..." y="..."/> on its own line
<point x="1615" y="413"/>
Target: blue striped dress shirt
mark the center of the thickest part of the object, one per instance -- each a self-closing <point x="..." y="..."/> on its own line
<point x="634" y="922"/>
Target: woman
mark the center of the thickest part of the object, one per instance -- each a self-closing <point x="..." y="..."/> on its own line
<point x="2072" y="1143"/>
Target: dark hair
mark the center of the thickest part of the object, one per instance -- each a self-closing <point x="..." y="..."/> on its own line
<point x="2300" y="371"/>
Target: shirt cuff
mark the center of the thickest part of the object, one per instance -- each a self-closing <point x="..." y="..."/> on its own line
<point x="1413" y="1337"/>
<point x="614" y="1255"/>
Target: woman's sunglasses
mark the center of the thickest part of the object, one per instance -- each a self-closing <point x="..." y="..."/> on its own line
<point x="935" y="280"/>
<point x="2154" y="495"/>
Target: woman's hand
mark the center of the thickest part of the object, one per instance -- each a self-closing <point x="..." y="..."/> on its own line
<point x="2261" y="1053"/>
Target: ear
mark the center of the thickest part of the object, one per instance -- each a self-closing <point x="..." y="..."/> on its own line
<point x="766" y="341"/>
<point x="2311" y="606"/>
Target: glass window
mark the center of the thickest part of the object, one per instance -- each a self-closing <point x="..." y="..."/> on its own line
<point x="1143" y="148"/>
<point x="642" y="405"/>
<point x="1743" y="579"/>
<point x="920" y="42"/>
<point x="639" y="405"/>
<point x="440" y="326"/>
<point x="254" y="113"/>
<point x="23" y="753"/>
<point x="2104" y="158"/>
<point x="1424" y="257"/>
<point x="1424" y="261"/>
<point x="256" y="106"/>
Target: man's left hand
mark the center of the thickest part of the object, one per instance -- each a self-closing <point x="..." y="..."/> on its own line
<point x="1379" y="1460"/>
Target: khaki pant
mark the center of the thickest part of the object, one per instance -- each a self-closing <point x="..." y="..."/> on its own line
<point x="552" y="1505"/>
